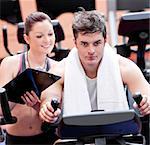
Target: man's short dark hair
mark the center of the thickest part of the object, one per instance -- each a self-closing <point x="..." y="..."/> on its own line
<point x="88" y="22"/>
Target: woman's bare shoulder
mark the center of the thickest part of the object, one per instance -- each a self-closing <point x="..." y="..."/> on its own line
<point x="10" y="61"/>
<point x="10" y="64"/>
<point x="9" y="68"/>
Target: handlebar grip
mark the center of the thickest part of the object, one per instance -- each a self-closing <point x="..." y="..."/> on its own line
<point x="55" y="103"/>
<point x="5" y="105"/>
<point x="5" y="39"/>
<point x="8" y="118"/>
<point x="138" y="98"/>
<point x="45" y="125"/>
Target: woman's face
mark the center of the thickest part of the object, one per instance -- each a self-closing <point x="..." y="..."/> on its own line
<point x="41" y="38"/>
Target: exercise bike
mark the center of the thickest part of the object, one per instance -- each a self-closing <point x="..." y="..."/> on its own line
<point x="135" y="27"/>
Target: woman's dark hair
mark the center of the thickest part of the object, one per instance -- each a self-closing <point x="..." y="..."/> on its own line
<point x="34" y="18"/>
<point x="88" y="22"/>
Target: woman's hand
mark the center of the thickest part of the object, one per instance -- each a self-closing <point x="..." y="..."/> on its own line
<point x="31" y="100"/>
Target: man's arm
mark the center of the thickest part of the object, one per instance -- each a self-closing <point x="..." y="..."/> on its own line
<point x="136" y="82"/>
<point x="46" y="110"/>
<point x="54" y="91"/>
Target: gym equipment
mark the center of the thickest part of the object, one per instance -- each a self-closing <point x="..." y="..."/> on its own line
<point x="54" y="8"/>
<point x="10" y="11"/>
<point x="115" y="6"/>
<point x="48" y="126"/>
<point x="100" y="128"/>
<point x="5" y="39"/>
<point x="8" y="118"/>
<point x="135" y="27"/>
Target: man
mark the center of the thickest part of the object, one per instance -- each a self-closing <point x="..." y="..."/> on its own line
<point x="93" y="75"/>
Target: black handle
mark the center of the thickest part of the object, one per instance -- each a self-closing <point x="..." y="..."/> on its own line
<point x="138" y="98"/>
<point x="55" y="103"/>
<point x="5" y="39"/>
<point x="8" y="119"/>
<point x="49" y="126"/>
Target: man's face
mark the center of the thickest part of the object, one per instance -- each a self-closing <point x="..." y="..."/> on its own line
<point x="90" y="48"/>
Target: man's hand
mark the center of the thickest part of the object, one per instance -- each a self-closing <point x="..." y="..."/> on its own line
<point x="47" y="113"/>
<point x="143" y="107"/>
<point x="32" y="100"/>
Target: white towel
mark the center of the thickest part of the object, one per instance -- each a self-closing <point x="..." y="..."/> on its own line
<point x="110" y="91"/>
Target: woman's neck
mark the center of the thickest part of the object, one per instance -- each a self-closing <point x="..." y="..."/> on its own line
<point x="36" y="60"/>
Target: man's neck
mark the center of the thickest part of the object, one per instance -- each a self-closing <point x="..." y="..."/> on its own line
<point x="91" y="72"/>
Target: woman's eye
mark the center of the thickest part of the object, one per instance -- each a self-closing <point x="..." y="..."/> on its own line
<point x="38" y="36"/>
<point x="50" y="34"/>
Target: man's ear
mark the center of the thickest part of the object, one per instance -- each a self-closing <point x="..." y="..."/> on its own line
<point x="105" y="40"/>
<point x="26" y="38"/>
<point x="74" y="40"/>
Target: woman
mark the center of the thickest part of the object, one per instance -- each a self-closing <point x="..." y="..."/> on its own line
<point x="40" y="37"/>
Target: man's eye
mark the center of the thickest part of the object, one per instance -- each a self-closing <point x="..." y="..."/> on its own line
<point x="97" y="43"/>
<point x="84" y="44"/>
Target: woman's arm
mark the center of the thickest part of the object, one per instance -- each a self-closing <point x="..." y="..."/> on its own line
<point x="8" y="70"/>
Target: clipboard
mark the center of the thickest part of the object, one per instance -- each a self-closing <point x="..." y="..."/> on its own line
<point x="28" y="80"/>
